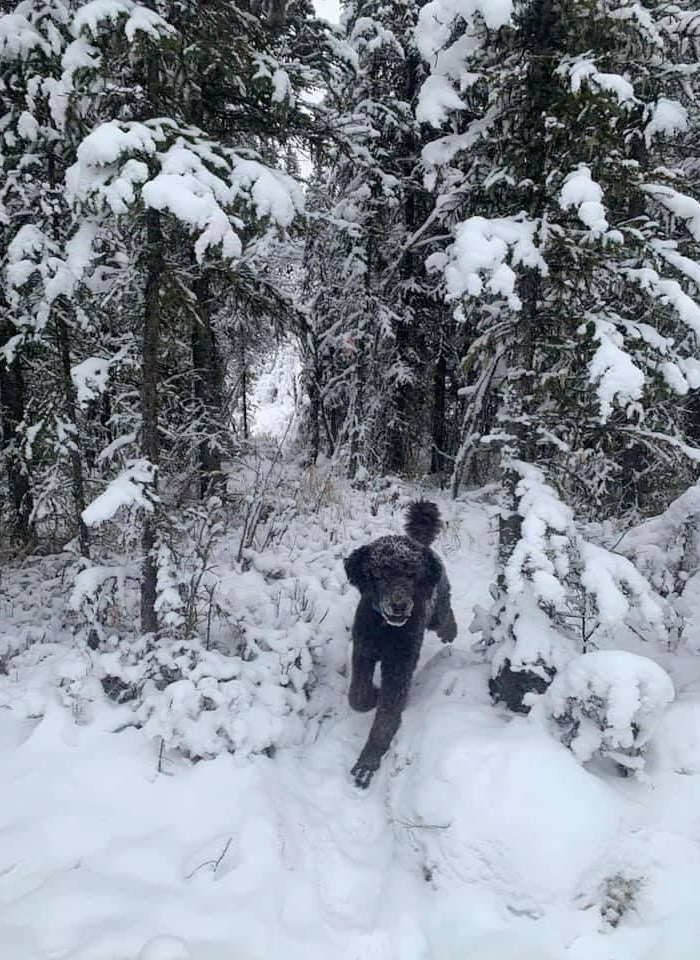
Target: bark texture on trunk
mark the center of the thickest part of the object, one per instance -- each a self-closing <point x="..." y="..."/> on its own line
<point x="150" y="444"/>
<point x="208" y="389"/>
<point x="11" y="416"/>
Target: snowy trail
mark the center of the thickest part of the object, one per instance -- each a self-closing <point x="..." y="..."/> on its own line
<point x="480" y="836"/>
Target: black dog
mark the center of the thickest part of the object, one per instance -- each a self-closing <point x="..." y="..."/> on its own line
<point x="405" y="591"/>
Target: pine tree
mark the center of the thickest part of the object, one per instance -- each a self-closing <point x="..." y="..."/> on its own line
<point x="11" y="417"/>
<point x="574" y="241"/>
<point x="178" y="178"/>
<point x="377" y="355"/>
<point x="43" y="262"/>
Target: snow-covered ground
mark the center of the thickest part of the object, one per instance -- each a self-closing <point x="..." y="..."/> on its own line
<point x="482" y="837"/>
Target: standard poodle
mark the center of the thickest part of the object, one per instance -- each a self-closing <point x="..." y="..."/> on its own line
<point x="404" y="592"/>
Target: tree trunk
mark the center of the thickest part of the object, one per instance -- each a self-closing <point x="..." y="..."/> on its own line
<point x="150" y="444"/>
<point x="208" y="390"/>
<point x="71" y="406"/>
<point x="11" y="415"/>
<point x="439" y="424"/>
<point x="244" y="382"/>
<point x="510" y="686"/>
<point x="397" y="445"/>
<point x="314" y="390"/>
<point x="69" y="393"/>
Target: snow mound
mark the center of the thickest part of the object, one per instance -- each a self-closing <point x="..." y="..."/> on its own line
<point x="608" y="703"/>
<point x="469" y="795"/>
<point x="164" y="948"/>
<point x="676" y="740"/>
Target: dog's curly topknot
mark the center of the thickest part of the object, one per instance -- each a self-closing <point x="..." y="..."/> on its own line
<point x="423" y="521"/>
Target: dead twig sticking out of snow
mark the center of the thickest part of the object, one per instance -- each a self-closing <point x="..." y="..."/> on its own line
<point x="214" y="864"/>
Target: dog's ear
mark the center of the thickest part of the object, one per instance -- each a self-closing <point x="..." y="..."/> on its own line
<point x="357" y="568"/>
<point x="432" y="568"/>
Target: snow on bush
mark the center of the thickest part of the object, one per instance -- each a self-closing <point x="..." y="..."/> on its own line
<point x="559" y="565"/>
<point x="134" y="486"/>
<point x="560" y="588"/>
<point x="613" y="372"/>
<point x="666" y="550"/>
<point x="607" y="704"/>
<point x="253" y="617"/>
<point x="206" y="187"/>
<point x="547" y="526"/>
<point x="535" y="644"/>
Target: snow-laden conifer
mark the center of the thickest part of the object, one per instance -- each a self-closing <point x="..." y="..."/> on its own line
<point x="380" y="357"/>
<point x="573" y="243"/>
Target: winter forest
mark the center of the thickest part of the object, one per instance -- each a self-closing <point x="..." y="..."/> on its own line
<point x="266" y="278"/>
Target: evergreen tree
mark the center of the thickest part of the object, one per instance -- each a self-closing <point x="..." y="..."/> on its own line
<point x="179" y="180"/>
<point x="574" y="244"/>
<point x="44" y="261"/>
<point x="377" y="355"/>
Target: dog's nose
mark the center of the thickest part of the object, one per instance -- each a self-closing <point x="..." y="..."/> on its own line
<point x="399" y="606"/>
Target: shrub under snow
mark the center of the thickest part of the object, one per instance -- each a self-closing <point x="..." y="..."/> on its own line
<point x="607" y="704"/>
<point x="560" y="587"/>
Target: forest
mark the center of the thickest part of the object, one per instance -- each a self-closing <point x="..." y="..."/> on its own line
<point x="266" y="279"/>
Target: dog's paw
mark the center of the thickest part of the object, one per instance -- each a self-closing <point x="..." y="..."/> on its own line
<point x="363" y="700"/>
<point x="363" y="771"/>
<point x="447" y="631"/>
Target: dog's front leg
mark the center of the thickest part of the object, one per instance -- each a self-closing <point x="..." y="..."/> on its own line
<point x="362" y="694"/>
<point x="396" y="679"/>
<point x="447" y="631"/>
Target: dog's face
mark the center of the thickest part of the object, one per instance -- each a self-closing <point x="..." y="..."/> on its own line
<point x="394" y="599"/>
<point x="393" y="572"/>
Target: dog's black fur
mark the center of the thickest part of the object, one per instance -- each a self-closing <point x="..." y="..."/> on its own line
<point x="405" y="591"/>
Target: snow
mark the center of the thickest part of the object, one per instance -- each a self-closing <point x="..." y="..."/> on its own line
<point x="274" y="194"/>
<point x="682" y="206"/>
<point x="282" y="87"/>
<point x="616" y="377"/>
<point x="89" y="581"/>
<point x="581" y="191"/>
<point x="644" y="20"/>
<point x="164" y="948"/>
<point x="482" y="835"/>
<point x="129" y="488"/>
<point x="79" y="54"/>
<point x="274" y="395"/>
<point x="90" y="16"/>
<point x="328" y="9"/>
<point x="27" y="127"/>
<point x="436" y="99"/>
<point x="106" y="144"/>
<point x="90" y="378"/>
<point x="668" y="118"/>
<point x="196" y="181"/>
<point x="542" y="511"/>
<point x="608" y="703"/>
<point x="448" y="48"/>
<point x="443" y="149"/>
<point x="669" y="291"/>
<point x="22" y="253"/>
<point x="194" y="204"/>
<point x="481" y="247"/>
<point x="611" y="578"/>
<point x="436" y="20"/>
<point x="583" y="69"/>
<point x="482" y="838"/>
<point x="19" y="38"/>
